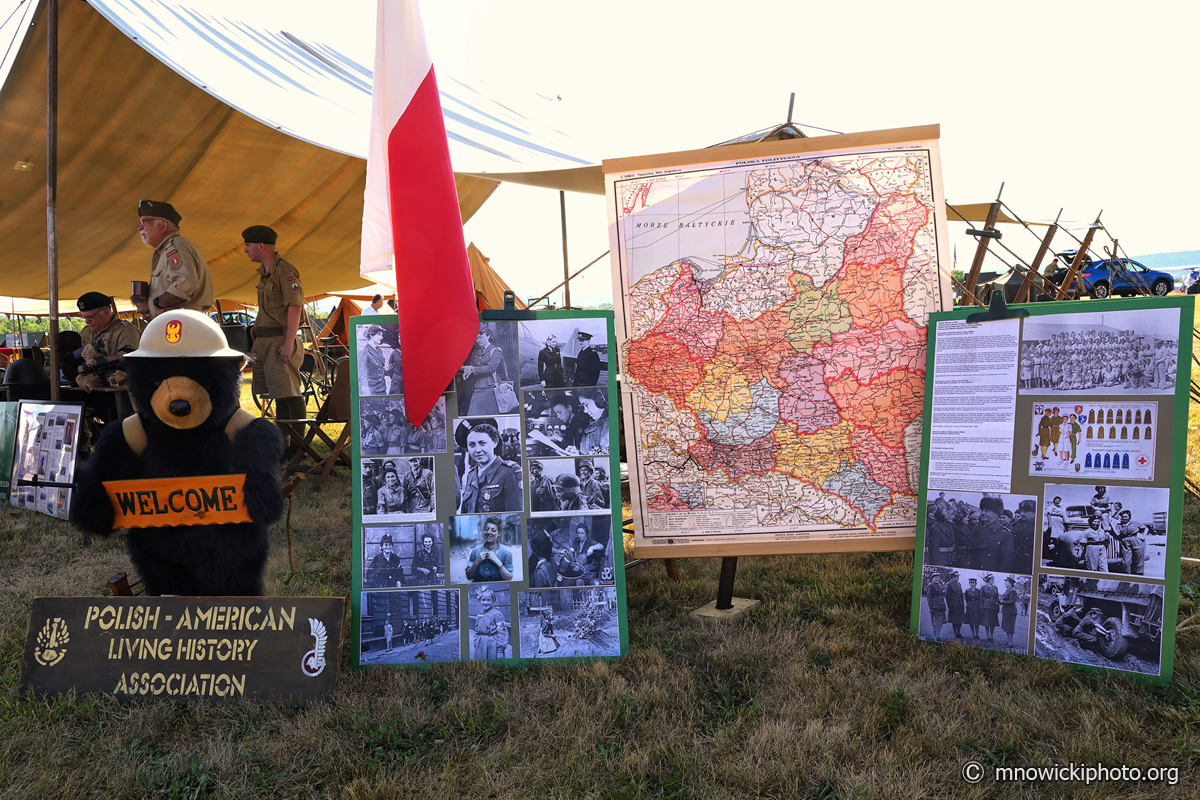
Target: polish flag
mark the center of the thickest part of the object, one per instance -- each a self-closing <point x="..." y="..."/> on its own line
<point x="411" y="216"/>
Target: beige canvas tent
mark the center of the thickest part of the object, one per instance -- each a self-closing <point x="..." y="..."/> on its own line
<point x="130" y="127"/>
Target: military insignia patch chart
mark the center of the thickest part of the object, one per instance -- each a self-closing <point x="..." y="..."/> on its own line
<point x="488" y="533"/>
<point x="772" y="313"/>
<point x="1052" y="487"/>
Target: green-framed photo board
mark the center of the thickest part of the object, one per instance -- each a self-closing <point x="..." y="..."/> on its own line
<point x="1052" y="482"/>
<point x="492" y="532"/>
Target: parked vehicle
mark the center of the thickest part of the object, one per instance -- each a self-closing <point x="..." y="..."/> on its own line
<point x="1119" y="276"/>
<point x="1132" y="612"/>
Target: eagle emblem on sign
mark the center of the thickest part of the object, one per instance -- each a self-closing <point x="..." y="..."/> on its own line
<point x="313" y="663"/>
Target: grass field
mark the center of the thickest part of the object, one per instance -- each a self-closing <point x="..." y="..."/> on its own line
<point x="820" y="693"/>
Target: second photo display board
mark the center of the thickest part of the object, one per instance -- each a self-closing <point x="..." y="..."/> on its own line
<point x="1052" y="488"/>
<point x="488" y="532"/>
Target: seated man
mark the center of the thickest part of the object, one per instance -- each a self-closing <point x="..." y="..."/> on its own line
<point x="105" y="341"/>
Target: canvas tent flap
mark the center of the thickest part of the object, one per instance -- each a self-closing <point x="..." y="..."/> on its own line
<point x="489" y="286"/>
<point x="131" y="128"/>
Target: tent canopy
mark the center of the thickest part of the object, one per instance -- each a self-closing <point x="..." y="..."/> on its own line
<point x="132" y="127"/>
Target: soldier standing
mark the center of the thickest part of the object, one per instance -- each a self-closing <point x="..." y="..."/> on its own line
<point x="178" y="273"/>
<point x="277" y="353"/>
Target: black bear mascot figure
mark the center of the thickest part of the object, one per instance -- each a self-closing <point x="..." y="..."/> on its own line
<point x="184" y="381"/>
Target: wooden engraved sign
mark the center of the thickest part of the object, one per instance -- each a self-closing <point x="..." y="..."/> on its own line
<point x="204" y="500"/>
<point x="279" y="649"/>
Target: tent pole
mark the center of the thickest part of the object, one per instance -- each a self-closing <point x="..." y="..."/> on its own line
<point x="52" y="184"/>
<point x="562" y="204"/>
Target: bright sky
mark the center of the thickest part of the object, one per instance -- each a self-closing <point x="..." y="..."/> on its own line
<point x="1075" y="105"/>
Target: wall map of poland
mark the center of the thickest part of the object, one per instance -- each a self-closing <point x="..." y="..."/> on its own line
<point x="774" y="341"/>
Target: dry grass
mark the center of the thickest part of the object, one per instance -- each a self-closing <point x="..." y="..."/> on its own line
<point x="820" y="693"/>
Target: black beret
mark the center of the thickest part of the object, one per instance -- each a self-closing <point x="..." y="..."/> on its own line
<point x="259" y="234"/>
<point x="157" y="208"/>
<point x="93" y="300"/>
<point x="465" y="427"/>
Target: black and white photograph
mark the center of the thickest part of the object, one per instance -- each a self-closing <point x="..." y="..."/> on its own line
<point x="487" y="464"/>
<point x="398" y="489"/>
<point x="400" y="556"/>
<point x="486" y="383"/>
<point x="1104" y="623"/>
<point x="1109" y="352"/>
<point x="566" y="422"/>
<point x="486" y="549"/>
<point x="570" y="551"/>
<point x="980" y="531"/>
<point x="379" y="368"/>
<point x="568" y="623"/>
<point x="385" y="430"/>
<point x="1104" y="528"/>
<point x="1080" y="439"/>
<point x="410" y="627"/>
<point x="557" y="354"/>
<point x="566" y="485"/>
<point x="979" y="608"/>
<point x="490" y="626"/>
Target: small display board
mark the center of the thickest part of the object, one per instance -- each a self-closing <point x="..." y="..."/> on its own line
<point x="1051" y="501"/>
<point x="279" y="649"/>
<point x="46" y="448"/>
<point x="8" y="438"/>
<point x="492" y="531"/>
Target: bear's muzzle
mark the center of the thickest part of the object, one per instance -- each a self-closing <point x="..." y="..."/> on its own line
<point x="181" y="403"/>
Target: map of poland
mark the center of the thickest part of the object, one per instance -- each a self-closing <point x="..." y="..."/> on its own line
<point x="774" y="343"/>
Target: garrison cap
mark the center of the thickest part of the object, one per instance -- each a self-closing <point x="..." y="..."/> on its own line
<point x="93" y="300"/>
<point x="157" y="208"/>
<point x="259" y="234"/>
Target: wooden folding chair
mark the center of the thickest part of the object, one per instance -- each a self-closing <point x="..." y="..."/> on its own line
<point x="334" y="411"/>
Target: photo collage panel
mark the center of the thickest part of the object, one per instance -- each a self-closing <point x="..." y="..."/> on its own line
<point x="1072" y="563"/>
<point x="504" y="492"/>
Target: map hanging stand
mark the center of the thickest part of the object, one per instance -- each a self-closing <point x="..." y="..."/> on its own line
<point x="998" y="310"/>
<point x="726" y="606"/>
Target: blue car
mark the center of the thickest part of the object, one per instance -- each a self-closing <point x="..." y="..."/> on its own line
<point x="1101" y="280"/>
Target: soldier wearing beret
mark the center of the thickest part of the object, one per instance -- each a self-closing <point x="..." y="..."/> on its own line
<point x="489" y="485"/>
<point x="105" y="339"/>
<point x="178" y="273"/>
<point x="277" y="353"/>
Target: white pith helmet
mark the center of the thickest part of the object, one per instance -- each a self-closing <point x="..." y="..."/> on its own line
<point x="182" y="333"/>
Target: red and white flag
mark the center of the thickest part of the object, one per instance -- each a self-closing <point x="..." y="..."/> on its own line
<point x="410" y="214"/>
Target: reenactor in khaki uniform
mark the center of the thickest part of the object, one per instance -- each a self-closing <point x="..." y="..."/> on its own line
<point x="178" y="273"/>
<point x="105" y="340"/>
<point x="277" y="353"/>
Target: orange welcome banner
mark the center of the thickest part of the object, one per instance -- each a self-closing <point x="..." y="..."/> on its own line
<point x="203" y="500"/>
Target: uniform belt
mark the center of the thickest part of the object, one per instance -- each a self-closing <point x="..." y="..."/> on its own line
<point x="268" y="332"/>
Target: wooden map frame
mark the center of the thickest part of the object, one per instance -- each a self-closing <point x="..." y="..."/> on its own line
<point x="666" y="163"/>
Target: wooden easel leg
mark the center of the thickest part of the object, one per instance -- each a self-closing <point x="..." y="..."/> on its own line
<point x="672" y="568"/>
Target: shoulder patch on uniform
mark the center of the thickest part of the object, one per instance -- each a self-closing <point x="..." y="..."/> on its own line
<point x="291" y="278"/>
<point x="295" y="288"/>
<point x="172" y="252"/>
